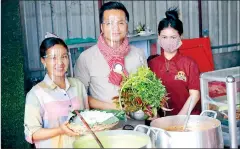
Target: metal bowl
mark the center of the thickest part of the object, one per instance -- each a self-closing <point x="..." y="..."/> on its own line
<point x="115" y="139"/>
<point x="138" y="115"/>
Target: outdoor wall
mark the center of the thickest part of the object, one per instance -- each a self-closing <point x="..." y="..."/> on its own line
<point x="79" y="18"/>
<point x="222" y="20"/>
<point x="226" y="60"/>
<point x="12" y="77"/>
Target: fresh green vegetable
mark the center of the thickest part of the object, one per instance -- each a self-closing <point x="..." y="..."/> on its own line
<point x="142" y="91"/>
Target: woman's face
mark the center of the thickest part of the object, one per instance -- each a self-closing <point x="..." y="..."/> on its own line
<point x="169" y="39"/>
<point x="114" y="26"/>
<point x="56" y="61"/>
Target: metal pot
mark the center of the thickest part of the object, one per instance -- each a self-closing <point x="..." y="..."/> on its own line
<point x="204" y="132"/>
<point x="115" y="139"/>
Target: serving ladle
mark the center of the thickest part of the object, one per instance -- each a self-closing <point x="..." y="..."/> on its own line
<point x="188" y="115"/>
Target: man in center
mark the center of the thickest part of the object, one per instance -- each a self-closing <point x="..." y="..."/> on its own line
<point x="100" y="67"/>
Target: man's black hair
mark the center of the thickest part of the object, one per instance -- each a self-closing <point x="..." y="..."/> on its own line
<point x="110" y="6"/>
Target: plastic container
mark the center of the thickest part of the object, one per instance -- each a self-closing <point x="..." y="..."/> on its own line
<point x="220" y="90"/>
<point x="226" y="136"/>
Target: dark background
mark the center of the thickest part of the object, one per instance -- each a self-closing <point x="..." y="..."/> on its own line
<point x="12" y="77"/>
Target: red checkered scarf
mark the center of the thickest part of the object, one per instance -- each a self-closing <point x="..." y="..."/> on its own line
<point x="113" y="57"/>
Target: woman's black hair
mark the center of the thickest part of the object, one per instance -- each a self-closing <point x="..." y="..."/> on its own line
<point x="110" y="6"/>
<point x="50" y="42"/>
<point x="171" y="20"/>
<point x="152" y="57"/>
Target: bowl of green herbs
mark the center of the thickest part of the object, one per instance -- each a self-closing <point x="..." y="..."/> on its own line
<point x="142" y="91"/>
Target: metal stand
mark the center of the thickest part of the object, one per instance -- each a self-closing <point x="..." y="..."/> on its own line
<point x="231" y="96"/>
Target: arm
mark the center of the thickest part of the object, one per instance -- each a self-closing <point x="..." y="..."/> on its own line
<point x="44" y="133"/>
<point x="97" y="104"/>
<point x="81" y="71"/>
<point x="194" y="96"/>
<point x="194" y="87"/>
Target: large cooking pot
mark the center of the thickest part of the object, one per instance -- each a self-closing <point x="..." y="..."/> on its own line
<point x="115" y="139"/>
<point x="202" y="132"/>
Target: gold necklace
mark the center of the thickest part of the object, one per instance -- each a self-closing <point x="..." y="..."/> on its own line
<point x="167" y="65"/>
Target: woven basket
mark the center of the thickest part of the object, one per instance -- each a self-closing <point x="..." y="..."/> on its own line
<point x="82" y="129"/>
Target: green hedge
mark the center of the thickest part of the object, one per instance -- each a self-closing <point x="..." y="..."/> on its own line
<point x="12" y="77"/>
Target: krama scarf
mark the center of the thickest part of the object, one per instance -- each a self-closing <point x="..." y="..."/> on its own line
<point x="114" y="57"/>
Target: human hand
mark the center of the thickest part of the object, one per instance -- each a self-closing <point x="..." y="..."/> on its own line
<point x="113" y="106"/>
<point x="152" y="118"/>
<point x="66" y="130"/>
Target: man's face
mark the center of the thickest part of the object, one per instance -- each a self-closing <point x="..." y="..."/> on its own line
<point x="114" y="26"/>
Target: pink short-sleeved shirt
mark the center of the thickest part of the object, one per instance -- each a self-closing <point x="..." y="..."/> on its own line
<point x="48" y="106"/>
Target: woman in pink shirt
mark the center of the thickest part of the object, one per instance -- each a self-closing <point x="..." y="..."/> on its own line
<point x="49" y="102"/>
